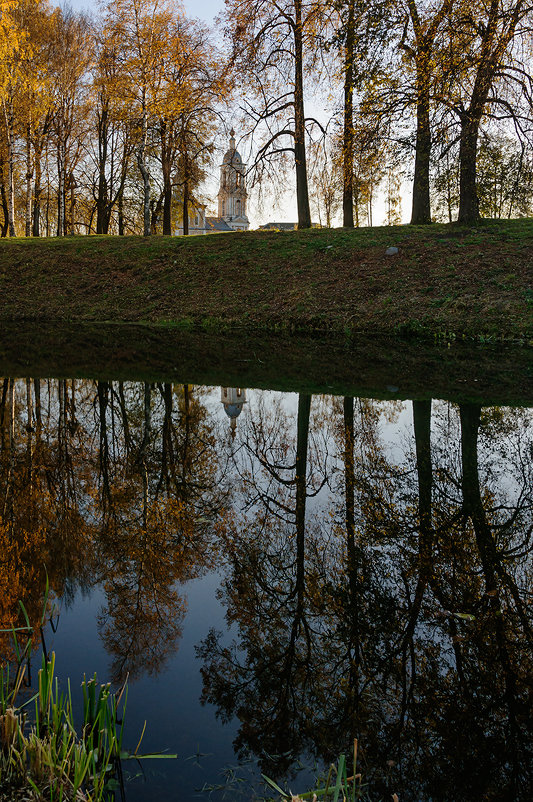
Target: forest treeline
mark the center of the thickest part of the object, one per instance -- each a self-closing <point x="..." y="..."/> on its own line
<point x="108" y="122"/>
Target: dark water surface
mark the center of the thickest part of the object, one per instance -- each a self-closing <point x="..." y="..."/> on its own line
<point x="278" y="571"/>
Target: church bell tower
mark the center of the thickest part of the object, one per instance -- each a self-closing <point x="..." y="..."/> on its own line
<point x="232" y="194"/>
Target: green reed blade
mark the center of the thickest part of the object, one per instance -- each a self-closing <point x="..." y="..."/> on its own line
<point x="338" y="783"/>
<point x="26" y="617"/>
<point x="276" y="787"/>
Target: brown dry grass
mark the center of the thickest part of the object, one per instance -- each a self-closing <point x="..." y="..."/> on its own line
<point x="445" y="279"/>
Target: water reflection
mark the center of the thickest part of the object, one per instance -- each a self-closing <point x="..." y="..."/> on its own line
<point x="114" y="484"/>
<point x="375" y="563"/>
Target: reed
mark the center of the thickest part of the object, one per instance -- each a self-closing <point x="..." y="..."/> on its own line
<point x="337" y="785"/>
<point x="43" y="757"/>
<point x="46" y="754"/>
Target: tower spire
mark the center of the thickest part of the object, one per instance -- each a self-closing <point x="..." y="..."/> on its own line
<point x="232" y="195"/>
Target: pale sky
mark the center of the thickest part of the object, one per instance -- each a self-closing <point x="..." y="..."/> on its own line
<point x="204" y="9"/>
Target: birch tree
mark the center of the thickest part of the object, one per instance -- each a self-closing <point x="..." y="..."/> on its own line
<point x="140" y="30"/>
<point x="196" y="90"/>
<point x="71" y="61"/>
<point x="13" y="48"/>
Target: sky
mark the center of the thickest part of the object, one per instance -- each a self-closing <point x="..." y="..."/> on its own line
<point x="204" y="9"/>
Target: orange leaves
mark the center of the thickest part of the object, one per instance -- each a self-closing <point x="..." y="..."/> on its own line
<point x="21" y="576"/>
<point x="138" y="35"/>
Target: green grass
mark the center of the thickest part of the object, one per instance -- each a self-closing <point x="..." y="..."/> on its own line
<point x="316" y="281"/>
<point x="45" y="753"/>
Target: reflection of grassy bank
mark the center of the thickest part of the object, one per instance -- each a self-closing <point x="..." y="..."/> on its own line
<point x="375" y="367"/>
<point x="445" y="280"/>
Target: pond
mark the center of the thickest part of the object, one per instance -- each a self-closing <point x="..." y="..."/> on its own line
<point x="283" y="546"/>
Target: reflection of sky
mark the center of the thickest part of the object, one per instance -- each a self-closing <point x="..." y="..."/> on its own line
<point x="169" y="702"/>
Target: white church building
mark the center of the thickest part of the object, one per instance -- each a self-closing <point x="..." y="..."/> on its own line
<point x="232" y="197"/>
<point x="232" y="193"/>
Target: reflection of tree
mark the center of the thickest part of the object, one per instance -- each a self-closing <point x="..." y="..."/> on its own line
<point x="505" y="620"/>
<point x="40" y="526"/>
<point x="270" y="592"/>
<point x="161" y="499"/>
<point x="418" y="632"/>
<point x="141" y="622"/>
<point x="110" y="482"/>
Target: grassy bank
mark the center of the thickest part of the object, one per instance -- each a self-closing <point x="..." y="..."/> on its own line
<point x="445" y="280"/>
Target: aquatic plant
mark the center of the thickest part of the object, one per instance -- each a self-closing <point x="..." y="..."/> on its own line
<point x="43" y="756"/>
<point x="46" y="754"/>
<point x="337" y="785"/>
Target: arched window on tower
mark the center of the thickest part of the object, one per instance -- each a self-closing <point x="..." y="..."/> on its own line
<point x="223" y="208"/>
<point x="238" y="207"/>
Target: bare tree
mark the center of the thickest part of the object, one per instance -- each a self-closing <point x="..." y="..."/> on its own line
<point x="271" y="44"/>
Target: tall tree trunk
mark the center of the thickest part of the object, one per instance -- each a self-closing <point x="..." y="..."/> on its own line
<point x="352" y="547"/>
<point x="102" y="198"/>
<point x="302" y="191"/>
<point x="470" y="415"/>
<point x="421" y="208"/>
<point x="72" y="220"/>
<point x="147" y="428"/>
<point x="3" y="198"/>
<point x="3" y="408"/>
<point x="89" y="223"/>
<point x="102" y="388"/>
<point x="120" y="201"/>
<point x="36" y="214"/>
<point x="167" y="204"/>
<point x="166" y="166"/>
<point x="468" y="197"/>
<point x="348" y="134"/>
<point x="29" y="176"/>
<point x="120" y="192"/>
<point x="8" y="112"/>
<point x="186" y="207"/>
<point x="143" y="167"/>
<point x="60" y="188"/>
<point x="304" y="409"/>
<point x="422" y="430"/>
<point x="37" y="393"/>
<point x="47" y="218"/>
<point x="496" y="34"/>
<point x="155" y="213"/>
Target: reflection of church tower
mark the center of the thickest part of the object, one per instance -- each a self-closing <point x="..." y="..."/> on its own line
<point x="232" y="194"/>
<point x="233" y="399"/>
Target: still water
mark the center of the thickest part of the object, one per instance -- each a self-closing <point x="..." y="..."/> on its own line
<point x="277" y="573"/>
